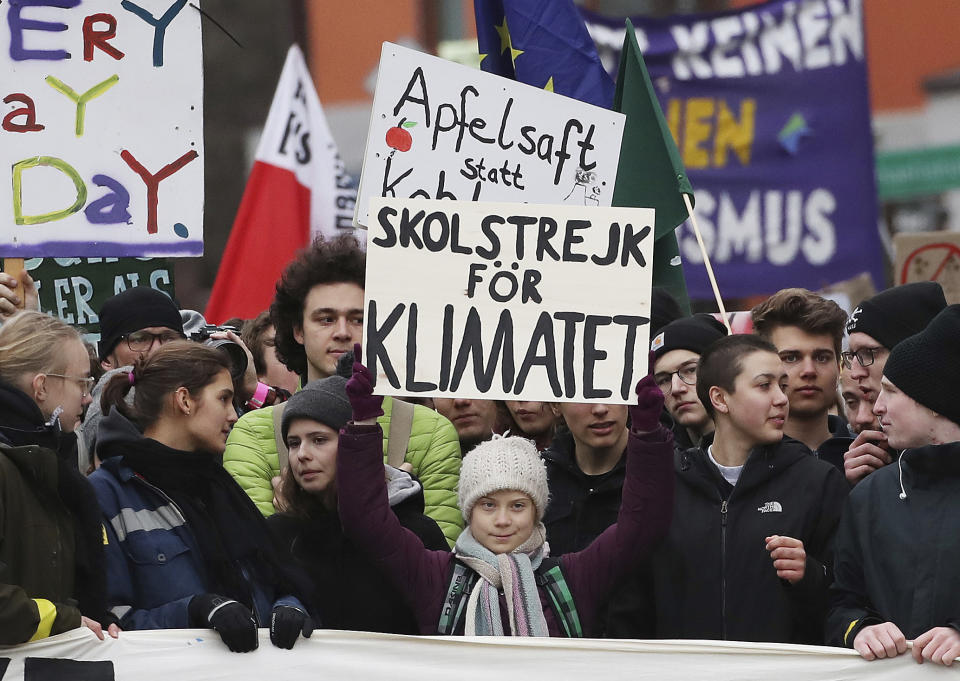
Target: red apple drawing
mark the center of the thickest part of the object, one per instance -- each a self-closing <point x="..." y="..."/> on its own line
<point x="398" y="138"/>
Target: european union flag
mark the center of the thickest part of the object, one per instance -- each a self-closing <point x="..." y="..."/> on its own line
<point x="543" y="43"/>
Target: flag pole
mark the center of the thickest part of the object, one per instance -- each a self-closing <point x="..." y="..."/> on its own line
<point x="706" y="261"/>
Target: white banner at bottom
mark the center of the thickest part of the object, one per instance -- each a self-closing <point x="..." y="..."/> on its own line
<point x="184" y="655"/>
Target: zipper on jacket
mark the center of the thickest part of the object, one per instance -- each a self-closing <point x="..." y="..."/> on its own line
<point x="723" y="569"/>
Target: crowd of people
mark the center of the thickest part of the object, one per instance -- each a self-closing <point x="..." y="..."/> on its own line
<point x="795" y="485"/>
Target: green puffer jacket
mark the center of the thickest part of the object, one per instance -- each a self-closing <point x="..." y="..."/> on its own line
<point x="433" y="451"/>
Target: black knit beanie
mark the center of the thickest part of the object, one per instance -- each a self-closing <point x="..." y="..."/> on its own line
<point x="134" y="309"/>
<point x="926" y="366"/>
<point x="899" y="312"/>
<point x="324" y="400"/>
<point x="690" y="333"/>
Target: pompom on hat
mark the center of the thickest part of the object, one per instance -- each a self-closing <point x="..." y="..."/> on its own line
<point x="503" y="463"/>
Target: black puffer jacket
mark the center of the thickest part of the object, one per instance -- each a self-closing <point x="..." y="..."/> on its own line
<point x="713" y="578"/>
<point x="581" y="506"/>
<point x="898" y="559"/>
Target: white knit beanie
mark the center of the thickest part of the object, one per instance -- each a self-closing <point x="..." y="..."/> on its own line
<point x="502" y="463"/>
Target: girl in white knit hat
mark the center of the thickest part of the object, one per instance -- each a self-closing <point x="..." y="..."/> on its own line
<point x="500" y="578"/>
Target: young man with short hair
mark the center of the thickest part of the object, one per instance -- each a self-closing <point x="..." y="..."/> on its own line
<point x="897" y="557"/>
<point x="807" y="331"/>
<point x="318" y="316"/>
<point x="747" y="557"/>
<point x="475" y="420"/>
<point x="676" y="351"/>
<point x="875" y="328"/>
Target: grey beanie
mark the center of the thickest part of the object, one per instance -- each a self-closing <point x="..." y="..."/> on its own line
<point x="511" y="463"/>
<point x="324" y="400"/>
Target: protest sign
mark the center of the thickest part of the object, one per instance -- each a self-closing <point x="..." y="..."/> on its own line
<point x="440" y="130"/>
<point x="101" y="132"/>
<point x="929" y="256"/>
<point x="770" y="111"/>
<point x="507" y="301"/>
<point x="199" y="654"/>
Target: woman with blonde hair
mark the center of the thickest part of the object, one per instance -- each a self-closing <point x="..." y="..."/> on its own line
<point x="51" y="570"/>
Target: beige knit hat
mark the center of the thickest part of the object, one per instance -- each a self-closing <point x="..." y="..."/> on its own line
<point x="502" y="463"/>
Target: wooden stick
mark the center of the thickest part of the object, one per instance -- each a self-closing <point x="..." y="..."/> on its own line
<point x="14" y="267"/>
<point x="706" y="261"/>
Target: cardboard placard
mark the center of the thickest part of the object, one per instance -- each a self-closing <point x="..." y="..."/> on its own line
<point x="508" y="301"/>
<point x="441" y="130"/>
<point x="102" y="129"/>
<point x="929" y="256"/>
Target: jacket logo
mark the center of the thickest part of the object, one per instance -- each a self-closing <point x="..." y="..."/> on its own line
<point x="771" y="507"/>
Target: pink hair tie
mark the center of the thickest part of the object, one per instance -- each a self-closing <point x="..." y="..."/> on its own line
<point x="131" y="378"/>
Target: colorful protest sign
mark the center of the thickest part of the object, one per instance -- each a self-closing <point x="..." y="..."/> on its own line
<point x="102" y="128"/>
<point x="198" y="655"/>
<point x="507" y="301"/>
<point x="769" y="108"/>
<point x="440" y="130"/>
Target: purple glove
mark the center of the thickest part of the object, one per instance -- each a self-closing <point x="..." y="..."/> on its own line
<point x="365" y="404"/>
<point x="645" y="415"/>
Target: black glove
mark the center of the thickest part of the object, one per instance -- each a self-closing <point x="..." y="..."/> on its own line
<point x="286" y="625"/>
<point x="232" y="620"/>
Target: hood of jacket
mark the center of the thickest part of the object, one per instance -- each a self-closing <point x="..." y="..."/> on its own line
<point x="403" y="490"/>
<point x="116" y="434"/>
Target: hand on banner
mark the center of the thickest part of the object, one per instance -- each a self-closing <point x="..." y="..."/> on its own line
<point x="940" y="645"/>
<point x="232" y="620"/>
<point x="645" y="414"/>
<point x="366" y="406"/>
<point x="250" y="379"/>
<point x="10" y="301"/>
<point x="113" y="630"/>
<point x="789" y="557"/>
<point x="880" y="641"/>
<point x="864" y="457"/>
<point x="286" y="625"/>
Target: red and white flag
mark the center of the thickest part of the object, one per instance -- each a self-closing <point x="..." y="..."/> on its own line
<point x="297" y="190"/>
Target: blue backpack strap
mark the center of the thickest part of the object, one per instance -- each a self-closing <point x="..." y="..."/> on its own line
<point x="462" y="581"/>
<point x="550" y="577"/>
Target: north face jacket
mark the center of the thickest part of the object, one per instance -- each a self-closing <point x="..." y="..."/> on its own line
<point x="433" y="451"/>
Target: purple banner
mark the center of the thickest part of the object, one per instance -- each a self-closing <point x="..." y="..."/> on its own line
<point x="770" y="110"/>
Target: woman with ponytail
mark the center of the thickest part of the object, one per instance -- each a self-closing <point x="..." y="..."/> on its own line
<point x="51" y="556"/>
<point x="185" y="545"/>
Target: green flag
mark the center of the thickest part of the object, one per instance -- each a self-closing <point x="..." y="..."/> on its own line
<point x="651" y="174"/>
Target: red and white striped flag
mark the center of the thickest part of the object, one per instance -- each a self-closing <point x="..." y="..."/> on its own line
<point x="297" y="189"/>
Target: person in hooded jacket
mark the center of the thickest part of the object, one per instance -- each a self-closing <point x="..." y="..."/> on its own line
<point x="748" y="553"/>
<point x="185" y="546"/>
<point x="349" y="590"/>
<point x="51" y="556"/>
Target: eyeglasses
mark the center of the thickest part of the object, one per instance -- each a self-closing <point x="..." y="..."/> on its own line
<point x="686" y="373"/>
<point x="141" y="341"/>
<point x="85" y="382"/>
<point x="865" y="356"/>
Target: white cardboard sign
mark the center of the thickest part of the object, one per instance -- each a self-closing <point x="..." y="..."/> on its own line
<point x="441" y="130"/>
<point x="508" y="301"/>
<point x="101" y="142"/>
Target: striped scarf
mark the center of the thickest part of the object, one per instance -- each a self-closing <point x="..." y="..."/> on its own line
<point x="512" y="572"/>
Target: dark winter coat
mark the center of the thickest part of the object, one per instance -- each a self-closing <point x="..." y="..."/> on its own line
<point x="898" y="557"/>
<point x="349" y="590"/>
<point x="424" y="575"/>
<point x="713" y="578"/>
<point x="581" y="506"/>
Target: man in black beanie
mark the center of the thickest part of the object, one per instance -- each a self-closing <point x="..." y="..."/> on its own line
<point x="897" y="571"/>
<point x="134" y="323"/>
<point x="676" y="350"/>
<point x="875" y="328"/>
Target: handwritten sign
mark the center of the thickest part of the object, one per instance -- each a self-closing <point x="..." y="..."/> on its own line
<point x="508" y="301"/>
<point x="101" y="134"/>
<point x="440" y="130"/>
<point x="929" y="256"/>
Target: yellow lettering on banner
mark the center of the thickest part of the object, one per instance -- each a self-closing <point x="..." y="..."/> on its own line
<point x="673" y="119"/>
<point x="696" y="131"/>
<point x="48" y="614"/>
<point x="732" y="134"/>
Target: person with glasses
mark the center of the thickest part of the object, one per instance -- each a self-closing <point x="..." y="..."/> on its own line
<point x="51" y="553"/>
<point x="807" y="330"/>
<point x="875" y="328"/>
<point x="676" y="352"/>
